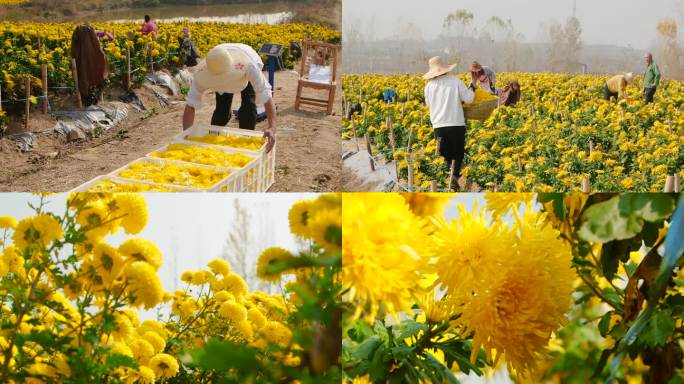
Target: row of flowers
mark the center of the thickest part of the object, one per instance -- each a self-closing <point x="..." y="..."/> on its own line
<point x="559" y="133"/>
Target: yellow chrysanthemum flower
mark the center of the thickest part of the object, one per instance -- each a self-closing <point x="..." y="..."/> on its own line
<point x="142" y="350"/>
<point x="133" y="210"/>
<point x="464" y="249"/>
<point x="157" y="342"/>
<point x="501" y="203"/>
<point x="520" y="293"/>
<point x="8" y="222"/>
<point x="219" y="267"/>
<point x="41" y="229"/>
<point x="269" y="257"/>
<point x="256" y="317"/>
<point x="143" y="284"/>
<point x="144" y="375"/>
<point x="276" y="333"/>
<point x="233" y="311"/>
<point x="244" y="328"/>
<point x="383" y="251"/>
<point x="235" y="284"/>
<point x="164" y="366"/>
<point x="299" y="218"/>
<point x="142" y="250"/>
<point x="427" y="204"/>
<point x="325" y="227"/>
<point x="96" y="220"/>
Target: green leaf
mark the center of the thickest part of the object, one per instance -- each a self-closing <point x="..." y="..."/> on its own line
<point x="610" y="254"/>
<point x="676" y="304"/>
<point x="376" y="369"/>
<point x="410" y="328"/>
<point x="604" y="324"/>
<point x="222" y="356"/>
<point x="650" y="232"/>
<point x="649" y="206"/>
<point x="118" y="360"/>
<point x="659" y="327"/>
<point x="604" y="223"/>
<point x="623" y="216"/>
<point x="366" y="349"/>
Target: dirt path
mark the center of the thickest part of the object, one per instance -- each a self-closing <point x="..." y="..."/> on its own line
<point x="308" y="147"/>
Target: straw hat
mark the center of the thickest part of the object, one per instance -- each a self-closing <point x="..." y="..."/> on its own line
<point x="437" y="68"/>
<point x="629" y="76"/>
<point x="223" y="69"/>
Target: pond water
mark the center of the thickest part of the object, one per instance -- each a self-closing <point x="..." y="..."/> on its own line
<point x="268" y="12"/>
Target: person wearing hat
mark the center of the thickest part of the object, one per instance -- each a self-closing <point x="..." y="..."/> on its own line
<point x="230" y="69"/>
<point x="483" y="75"/>
<point x="616" y="86"/>
<point x="444" y="96"/>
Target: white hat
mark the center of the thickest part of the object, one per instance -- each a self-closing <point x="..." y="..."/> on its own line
<point x="223" y="69"/>
<point x="629" y="76"/>
<point x="437" y="68"/>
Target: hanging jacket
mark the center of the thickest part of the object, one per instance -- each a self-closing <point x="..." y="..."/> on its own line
<point x="91" y="63"/>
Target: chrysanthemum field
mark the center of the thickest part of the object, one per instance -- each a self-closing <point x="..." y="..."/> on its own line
<point x="527" y="288"/>
<point x="560" y="133"/>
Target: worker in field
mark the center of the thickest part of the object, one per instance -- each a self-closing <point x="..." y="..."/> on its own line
<point x="484" y="77"/>
<point x="651" y="78"/>
<point x="229" y="69"/>
<point x="444" y="96"/>
<point x="149" y="27"/>
<point x="616" y="86"/>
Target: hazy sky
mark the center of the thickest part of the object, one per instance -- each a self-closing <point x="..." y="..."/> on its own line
<point x="189" y="229"/>
<point x="616" y="22"/>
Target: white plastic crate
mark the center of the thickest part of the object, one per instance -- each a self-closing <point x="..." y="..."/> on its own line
<point x="267" y="161"/>
<point x="227" y="184"/>
<point x="247" y="177"/>
<point x="86" y="187"/>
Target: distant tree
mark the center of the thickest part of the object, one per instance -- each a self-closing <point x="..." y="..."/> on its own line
<point x="670" y="53"/>
<point x="244" y="245"/>
<point x="458" y="25"/>
<point x="565" y="45"/>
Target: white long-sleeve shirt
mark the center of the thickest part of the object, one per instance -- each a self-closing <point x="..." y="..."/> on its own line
<point x="444" y="95"/>
<point x="262" y="88"/>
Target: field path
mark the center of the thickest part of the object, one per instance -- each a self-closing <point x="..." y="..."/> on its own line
<point x="307" y="151"/>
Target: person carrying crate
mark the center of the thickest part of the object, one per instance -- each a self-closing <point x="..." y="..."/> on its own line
<point x="229" y="69"/>
<point x="444" y="96"/>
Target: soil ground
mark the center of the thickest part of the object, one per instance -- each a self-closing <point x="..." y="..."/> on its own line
<point x="308" y="146"/>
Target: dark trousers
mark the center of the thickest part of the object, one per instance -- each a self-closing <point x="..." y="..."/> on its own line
<point x="607" y="94"/>
<point x="452" y="145"/>
<point x="648" y="94"/>
<point x="247" y="114"/>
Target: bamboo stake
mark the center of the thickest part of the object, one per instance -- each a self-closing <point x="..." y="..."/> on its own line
<point x="370" y="154"/>
<point x="433" y="186"/>
<point x="586" y="185"/>
<point x="437" y="146"/>
<point x="44" y="101"/>
<point x="28" y="102"/>
<point x="677" y="183"/>
<point x="410" y="172"/>
<point x="74" y="72"/>
<point x="669" y="184"/>
<point x="128" y="68"/>
<point x="356" y="139"/>
<point x="451" y="174"/>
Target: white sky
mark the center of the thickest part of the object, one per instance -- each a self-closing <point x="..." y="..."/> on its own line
<point x="615" y="22"/>
<point x="189" y="229"/>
